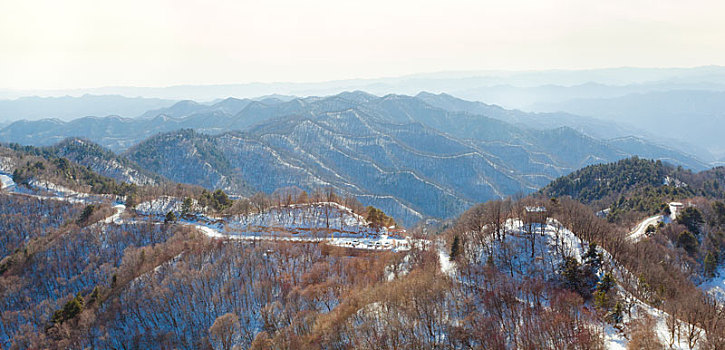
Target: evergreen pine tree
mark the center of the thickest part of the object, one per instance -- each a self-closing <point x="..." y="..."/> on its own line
<point x="692" y="218"/>
<point x="170" y="217"/>
<point x="617" y="313"/>
<point x="186" y="206"/>
<point x="592" y="258"/>
<point x="86" y="214"/>
<point x="570" y="273"/>
<point x="602" y="297"/>
<point x="455" y="248"/>
<point x="606" y="284"/>
<point x="687" y="241"/>
<point x="710" y="264"/>
<point x="70" y="310"/>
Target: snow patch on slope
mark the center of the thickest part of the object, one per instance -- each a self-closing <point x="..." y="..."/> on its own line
<point x="715" y="287"/>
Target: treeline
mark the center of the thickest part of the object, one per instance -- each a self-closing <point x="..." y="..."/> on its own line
<point x="76" y="149"/>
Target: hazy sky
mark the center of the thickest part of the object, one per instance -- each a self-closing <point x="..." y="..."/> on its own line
<point x="70" y="44"/>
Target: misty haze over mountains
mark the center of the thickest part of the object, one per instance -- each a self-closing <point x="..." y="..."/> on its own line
<point x="668" y="106"/>
<point x="608" y="82"/>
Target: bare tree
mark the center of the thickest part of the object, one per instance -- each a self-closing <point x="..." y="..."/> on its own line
<point x="223" y="331"/>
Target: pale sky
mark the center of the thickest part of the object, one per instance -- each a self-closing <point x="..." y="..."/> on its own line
<point x="82" y="44"/>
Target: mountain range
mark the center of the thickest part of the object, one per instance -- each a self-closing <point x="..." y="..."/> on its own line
<point x="667" y="105"/>
<point x="413" y="156"/>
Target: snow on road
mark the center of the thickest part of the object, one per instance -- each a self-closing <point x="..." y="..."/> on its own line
<point x="639" y="232"/>
<point x="116" y="218"/>
<point x="7" y="181"/>
<point x="314" y="222"/>
<point x="45" y="190"/>
<point x="369" y="242"/>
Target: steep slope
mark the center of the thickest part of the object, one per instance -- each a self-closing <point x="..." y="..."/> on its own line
<point x="28" y="166"/>
<point x="632" y="189"/>
<point x="372" y="157"/>
<point x="666" y="153"/>
<point x="573" y="147"/>
<point x="573" y="249"/>
<point x="624" y="177"/>
<point x="269" y="161"/>
<point x="95" y="158"/>
<point x="113" y="131"/>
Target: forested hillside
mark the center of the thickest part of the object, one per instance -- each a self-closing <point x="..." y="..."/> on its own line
<point x="30" y="165"/>
<point x="84" y="272"/>
<point x="606" y="181"/>
<point x="114" y="265"/>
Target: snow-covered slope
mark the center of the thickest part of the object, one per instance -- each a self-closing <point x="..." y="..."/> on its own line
<point x="551" y="245"/>
<point x="716" y="286"/>
<point x="161" y="206"/>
